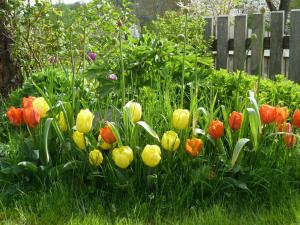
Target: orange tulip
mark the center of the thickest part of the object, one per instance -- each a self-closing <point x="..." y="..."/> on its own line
<point x="289" y="140"/>
<point x="285" y="127"/>
<point x="235" y="120"/>
<point x="27" y="102"/>
<point x="216" y="129"/>
<point x="31" y="117"/>
<point x="193" y="146"/>
<point x="282" y="114"/>
<point x="267" y="114"/>
<point x="107" y="135"/>
<point x="15" y="116"/>
<point x="296" y="118"/>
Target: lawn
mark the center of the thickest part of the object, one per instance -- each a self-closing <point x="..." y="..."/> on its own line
<point x="60" y="206"/>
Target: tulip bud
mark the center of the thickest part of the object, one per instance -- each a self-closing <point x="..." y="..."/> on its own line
<point x="31" y="117"/>
<point x="180" y="119"/>
<point x="281" y="114"/>
<point x="79" y="140"/>
<point x="151" y="155"/>
<point x="84" y="121"/>
<point x="41" y="106"/>
<point x="95" y="157"/>
<point x="15" y="116"/>
<point x="216" y="129"/>
<point x="267" y="114"/>
<point x="193" y="146"/>
<point x="27" y="102"/>
<point x="135" y="110"/>
<point x="235" y="120"/>
<point x="296" y="118"/>
<point x="107" y="135"/>
<point x="62" y="122"/>
<point x="122" y="156"/>
<point x="170" y="141"/>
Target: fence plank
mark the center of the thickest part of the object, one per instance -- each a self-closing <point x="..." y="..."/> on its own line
<point x="240" y="36"/>
<point x="222" y="45"/>
<point x="277" y="31"/>
<point x="208" y="33"/>
<point x="258" y="28"/>
<point x="294" y="63"/>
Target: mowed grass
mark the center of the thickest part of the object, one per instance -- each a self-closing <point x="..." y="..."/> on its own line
<point x="59" y="205"/>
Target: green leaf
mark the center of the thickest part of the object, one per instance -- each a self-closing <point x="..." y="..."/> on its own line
<point x="115" y="131"/>
<point x="45" y="139"/>
<point x="29" y="165"/>
<point x="149" y="129"/>
<point x="254" y="126"/>
<point x="237" y="149"/>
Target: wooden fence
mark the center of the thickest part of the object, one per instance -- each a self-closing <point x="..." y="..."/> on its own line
<point x="235" y="49"/>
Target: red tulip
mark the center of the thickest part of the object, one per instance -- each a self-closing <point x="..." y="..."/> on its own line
<point x="296" y="118"/>
<point x="15" y="116"/>
<point x="107" y="135"/>
<point x="216" y="129"/>
<point x="285" y="127"/>
<point x="235" y="120"/>
<point x="27" y="102"/>
<point x="282" y="114"/>
<point x="31" y="117"/>
<point x="267" y="114"/>
<point x="193" y="146"/>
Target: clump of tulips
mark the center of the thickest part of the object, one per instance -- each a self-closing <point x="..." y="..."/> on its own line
<point x="33" y="109"/>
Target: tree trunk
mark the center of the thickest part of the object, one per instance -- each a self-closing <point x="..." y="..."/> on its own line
<point x="9" y="71"/>
<point x="283" y="6"/>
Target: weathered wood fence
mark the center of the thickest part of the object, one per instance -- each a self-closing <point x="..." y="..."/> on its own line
<point x="236" y="50"/>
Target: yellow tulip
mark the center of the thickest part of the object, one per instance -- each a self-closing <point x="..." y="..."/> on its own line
<point x="135" y="110"/>
<point x="122" y="156"/>
<point x="105" y="146"/>
<point x="170" y="141"/>
<point x="95" y="157"/>
<point x="180" y="119"/>
<point x="151" y="155"/>
<point x="62" y="121"/>
<point x="79" y="139"/>
<point x="41" y="106"/>
<point x="84" y="121"/>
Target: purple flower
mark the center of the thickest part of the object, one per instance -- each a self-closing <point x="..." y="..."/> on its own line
<point x="91" y="56"/>
<point x="112" y="77"/>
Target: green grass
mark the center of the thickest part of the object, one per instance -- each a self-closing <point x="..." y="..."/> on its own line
<point x="61" y="205"/>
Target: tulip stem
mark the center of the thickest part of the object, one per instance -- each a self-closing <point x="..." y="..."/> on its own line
<point x="122" y="67"/>
<point x="183" y="59"/>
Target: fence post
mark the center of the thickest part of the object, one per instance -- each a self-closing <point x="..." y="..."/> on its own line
<point x="208" y="32"/>
<point x="294" y="61"/>
<point x="222" y="42"/>
<point x="258" y="28"/>
<point x="277" y="31"/>
<point x="240" y="36"/>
